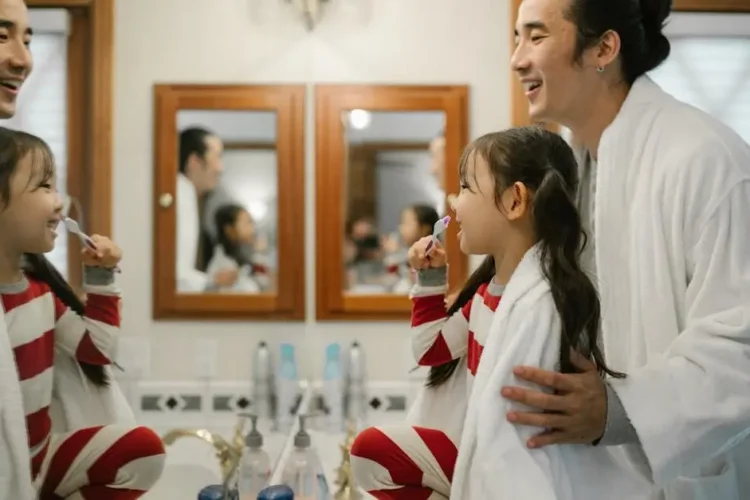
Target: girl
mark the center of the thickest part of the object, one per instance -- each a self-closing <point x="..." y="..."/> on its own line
<point x="417" y="221"/>
<point x="48" y="325"/>
<point x="236" y="250"/>
<point x="521" y="183"/>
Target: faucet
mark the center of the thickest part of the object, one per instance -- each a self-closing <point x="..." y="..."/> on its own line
<point x="228" y="453"/>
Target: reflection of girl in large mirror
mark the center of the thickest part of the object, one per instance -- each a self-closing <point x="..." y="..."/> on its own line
<point x="417" y="221"/>
<point x="239" y="247"/>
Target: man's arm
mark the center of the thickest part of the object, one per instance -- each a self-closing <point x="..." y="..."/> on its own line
<point x="693" y="403"/>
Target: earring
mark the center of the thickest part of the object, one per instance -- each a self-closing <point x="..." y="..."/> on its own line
<point x="600" y="69"/>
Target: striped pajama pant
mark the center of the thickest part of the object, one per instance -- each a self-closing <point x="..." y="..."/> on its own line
<point x="101" y="463"/>
<point x="404" y="462"/>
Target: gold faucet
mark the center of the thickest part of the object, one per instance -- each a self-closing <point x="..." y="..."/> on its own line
<point x="347" y="489"/>
<point x="227" y="452"/>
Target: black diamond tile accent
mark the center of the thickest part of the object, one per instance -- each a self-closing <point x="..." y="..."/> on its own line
<point x="375" y="403"/>
<point x="172" y="403"/>
<point x="243" y="402"/>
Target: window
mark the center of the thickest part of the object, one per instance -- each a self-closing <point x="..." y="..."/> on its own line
<point x="42" y="103"/>
<point x="709" y="66"/>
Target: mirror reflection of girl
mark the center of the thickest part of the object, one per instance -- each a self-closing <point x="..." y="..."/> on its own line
<point x="69" y="453"/>
<point x="238" y="248"/>
<point x="363" y="254"/>
<point x="417" y="221"/>
<point x="529" y="303"/>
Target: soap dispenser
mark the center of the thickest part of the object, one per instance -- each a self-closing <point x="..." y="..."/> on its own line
<point x="303" y="472"/>
<point x="255" y="465"/>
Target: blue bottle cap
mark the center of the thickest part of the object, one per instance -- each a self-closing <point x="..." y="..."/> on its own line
<point x="212" y="492"/>
<point x="276" y="492"/>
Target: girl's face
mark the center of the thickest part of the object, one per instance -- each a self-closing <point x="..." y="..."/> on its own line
<point x="29" y="219"/>
<point x="243" y="230"/>
<point x="410" y="229"/>
<point x="481" y="222"/>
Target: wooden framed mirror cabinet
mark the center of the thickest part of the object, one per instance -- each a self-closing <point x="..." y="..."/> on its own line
<point x="386" y="165"/>
<point x="228" y="199"/>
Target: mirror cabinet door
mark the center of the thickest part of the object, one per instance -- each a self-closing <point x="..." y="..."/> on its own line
<point x="226" y="244"/>
<point x="382" y="185"/>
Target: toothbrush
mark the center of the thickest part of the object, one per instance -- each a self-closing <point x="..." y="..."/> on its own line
<point x="73" y="227"/>
<point x="440" y="227"/>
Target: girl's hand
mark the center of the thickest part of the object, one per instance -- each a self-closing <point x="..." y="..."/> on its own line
<point x="107" y="254"/>
<point x="419" y="259"/>
<point x="389" y="244"/>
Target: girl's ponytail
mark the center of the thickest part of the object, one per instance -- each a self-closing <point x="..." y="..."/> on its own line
<point x="38" y="267"/>
<point x="440" y="374"/>
<point x="561" y="241"/>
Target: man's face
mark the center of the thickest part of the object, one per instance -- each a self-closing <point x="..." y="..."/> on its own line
<point x="555" y="86"/>
<point x="205" y="172"/>
<point x="15" y="57"/>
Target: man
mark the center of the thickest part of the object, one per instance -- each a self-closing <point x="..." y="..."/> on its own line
<point x="199" y="170"/>
<point x="15" y="66"/>
<point x="665" y="193"/>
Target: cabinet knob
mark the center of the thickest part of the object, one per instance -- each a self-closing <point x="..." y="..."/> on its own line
<point x="165" y="200"/>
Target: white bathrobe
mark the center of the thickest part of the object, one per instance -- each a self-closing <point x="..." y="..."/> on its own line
<point x="493" y="459"/>
<point x="672" y="232"/>
<point x="83" y="405"/>
<point x="189" y="279"/>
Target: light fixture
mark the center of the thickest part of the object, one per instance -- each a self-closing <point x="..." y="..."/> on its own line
<point x="258" y="210"/>
<point x="311" y="11"/>
<point x="359" y="119"/>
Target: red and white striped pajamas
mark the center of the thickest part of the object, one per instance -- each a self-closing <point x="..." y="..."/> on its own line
<point x="401" y="462"/>
<point x="109" y="462"/>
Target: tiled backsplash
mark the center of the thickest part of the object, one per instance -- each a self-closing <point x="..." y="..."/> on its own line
<point x="196" y="402"/>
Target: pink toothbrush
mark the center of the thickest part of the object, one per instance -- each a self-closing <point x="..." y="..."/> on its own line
<point x="440" y="227"/>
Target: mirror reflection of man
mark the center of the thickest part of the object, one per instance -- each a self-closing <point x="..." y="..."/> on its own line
<point x="15" y="66"/>
<point x="199" y="170"/>
<point x="437" y="169"/>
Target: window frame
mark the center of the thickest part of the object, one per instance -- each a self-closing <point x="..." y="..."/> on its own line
<point x="90" y="74"/>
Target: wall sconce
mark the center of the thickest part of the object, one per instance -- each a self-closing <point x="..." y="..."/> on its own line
<point x="311" y="11"/>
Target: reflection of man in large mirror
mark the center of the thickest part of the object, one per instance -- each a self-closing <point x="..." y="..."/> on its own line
<point x="199" y="170"/>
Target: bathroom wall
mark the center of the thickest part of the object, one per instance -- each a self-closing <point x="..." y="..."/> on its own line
<point x="262" y="41"/>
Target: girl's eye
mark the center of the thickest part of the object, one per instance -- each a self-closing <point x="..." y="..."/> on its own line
<point x="464" y="185"/>
<point x="45" y="185"/>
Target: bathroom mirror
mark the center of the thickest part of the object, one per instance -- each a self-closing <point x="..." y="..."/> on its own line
<point x="226" y="244"/>
<point x="382" y="183"/>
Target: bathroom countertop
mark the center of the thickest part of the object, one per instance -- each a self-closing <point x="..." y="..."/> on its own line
<point x="192" y="463"/>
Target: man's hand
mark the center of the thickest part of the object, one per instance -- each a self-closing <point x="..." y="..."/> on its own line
<point x="226" y="277"/>
<point x="575" y="414"/>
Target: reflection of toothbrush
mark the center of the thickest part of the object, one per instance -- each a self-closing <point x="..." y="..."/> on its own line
<point x="440" y="226"/>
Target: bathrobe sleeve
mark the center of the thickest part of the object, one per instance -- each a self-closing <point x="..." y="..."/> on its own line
<point x="693" y="403"/>
<point x="503" y="466"/>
